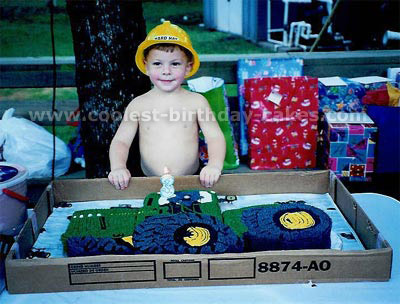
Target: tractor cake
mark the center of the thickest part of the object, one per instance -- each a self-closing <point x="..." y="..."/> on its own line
<point x="191" y="221"/>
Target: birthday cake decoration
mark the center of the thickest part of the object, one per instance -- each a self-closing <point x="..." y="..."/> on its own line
<point x="297" y="220"/>
<point x="199" y="236"/>
<point x="167" y="190"/>
<point x="191" y="221"/>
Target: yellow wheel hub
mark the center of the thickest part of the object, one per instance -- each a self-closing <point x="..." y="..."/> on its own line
<point x="297" y="220"/>
<point x="199" y="236"/>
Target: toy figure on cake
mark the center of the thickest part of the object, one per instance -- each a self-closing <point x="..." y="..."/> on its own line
<point x="167" y="190"/>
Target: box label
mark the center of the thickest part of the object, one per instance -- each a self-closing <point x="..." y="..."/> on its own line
<point x="239" y="268"/>
<point x="294" y="266"/>
<point x="112" y="272"/>
<point x="182" y="270"/>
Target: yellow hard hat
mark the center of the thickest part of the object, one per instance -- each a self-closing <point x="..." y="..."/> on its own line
<point x="167" y="33"/>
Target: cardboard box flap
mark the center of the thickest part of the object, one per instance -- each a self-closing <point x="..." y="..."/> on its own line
<point x="368" y="233"/>
<point x="346" y="203"/>
<point x="43" y="208"/>
<point x="332" y="185"/>
<point x="315" y="181"/>
<point x="139" y="271"/>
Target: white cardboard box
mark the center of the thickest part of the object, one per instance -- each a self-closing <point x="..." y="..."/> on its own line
<point x="169" y="270"/>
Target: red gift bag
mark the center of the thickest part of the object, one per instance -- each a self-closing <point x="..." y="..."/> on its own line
<point x="282" y="114"/>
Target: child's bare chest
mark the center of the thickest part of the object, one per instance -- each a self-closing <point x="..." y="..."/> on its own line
<point x="168" y="115"/>
<point x="169" y="121"/>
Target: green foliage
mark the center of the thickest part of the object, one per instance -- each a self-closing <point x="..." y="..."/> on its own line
<point x="30" y="36"/>
<point x="38" y="94"/>
<point x="26" y="29"/>
<point x="202" y="38"/>
<point x="153" y="11"/>
<point x="65" y="133"/>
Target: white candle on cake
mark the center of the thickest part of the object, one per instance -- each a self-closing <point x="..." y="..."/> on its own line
<point x="167" y="190"/>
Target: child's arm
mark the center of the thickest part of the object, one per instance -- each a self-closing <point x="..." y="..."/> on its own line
<point x="216" y="145"/>
<point x="119" y="149"/>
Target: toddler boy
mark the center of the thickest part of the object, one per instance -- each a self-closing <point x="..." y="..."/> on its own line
<point x="168" y="116"/>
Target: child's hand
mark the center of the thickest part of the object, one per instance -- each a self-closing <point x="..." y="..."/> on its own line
<point x="209" y="175"/>
<point x="119" y="178"/>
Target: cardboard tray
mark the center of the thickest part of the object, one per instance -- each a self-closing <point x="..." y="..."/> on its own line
<point x="143" y="271"/>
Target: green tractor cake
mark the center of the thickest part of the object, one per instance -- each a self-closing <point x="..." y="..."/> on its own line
<point x="179" y="222"/>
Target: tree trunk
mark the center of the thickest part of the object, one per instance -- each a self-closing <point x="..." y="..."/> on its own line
<point x="106" y="34"/>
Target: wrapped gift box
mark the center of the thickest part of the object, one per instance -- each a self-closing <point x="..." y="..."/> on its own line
<point x="349" y="140"/>
<point x="257" y="68"/>
<point x="375" y="89"/>
<point x="340" y="95"/>
<point x="371" y="82"/>
<point x="282" y="129"/>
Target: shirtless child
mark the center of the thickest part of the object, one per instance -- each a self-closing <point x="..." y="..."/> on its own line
<point x="168" y="116"/>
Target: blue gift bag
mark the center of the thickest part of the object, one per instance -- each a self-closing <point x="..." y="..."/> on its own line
<point x="387" y="120"/>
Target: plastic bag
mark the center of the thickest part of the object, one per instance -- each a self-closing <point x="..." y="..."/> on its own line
<point x="30" y="145"/>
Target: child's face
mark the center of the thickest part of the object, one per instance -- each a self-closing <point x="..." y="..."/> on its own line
<point x="167" y="70"/>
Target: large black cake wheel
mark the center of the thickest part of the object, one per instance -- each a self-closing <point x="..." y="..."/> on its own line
<point x="89" y="246"/>
<point x="286" y="227"/>
<point x="185" y="233"/>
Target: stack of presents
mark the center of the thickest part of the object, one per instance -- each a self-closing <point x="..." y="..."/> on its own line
<point x="289" y="121"/>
